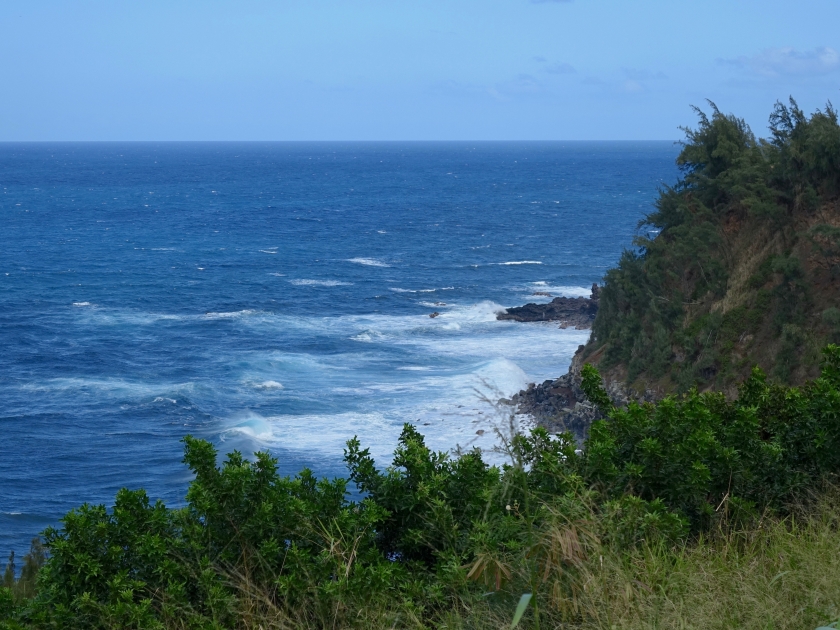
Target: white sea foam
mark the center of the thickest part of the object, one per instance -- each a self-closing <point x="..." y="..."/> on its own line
<point x="477" y="334"/>
<point x="367" y="327"/>
<point x="327" y="434"/>
<point x="435" y="373"/>
<point x="520" y="262"/>
<point x="304" y="282"/>
<point x="268" y="251"/>
<point x="399" y="290"/>
<point x="450" y="410"/>
<point x="432" y="372"/>
<point x="81" y="304"/>
<point x="231" y="315"/>
<point x="269" y="385"/>
<point x="484" y="311"/>
<point x="368" y="336"/>
<point x="375" y="389"/>
<point x="370" y="262"/>
<point x="555" y="290"/>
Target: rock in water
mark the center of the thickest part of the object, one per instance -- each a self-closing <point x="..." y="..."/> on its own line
<point x="578" y="312"/>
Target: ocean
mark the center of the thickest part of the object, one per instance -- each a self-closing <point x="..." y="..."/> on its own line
<point x="276" y="296"/>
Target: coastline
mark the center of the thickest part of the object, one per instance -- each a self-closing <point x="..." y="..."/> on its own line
<point x="559" y="405"/>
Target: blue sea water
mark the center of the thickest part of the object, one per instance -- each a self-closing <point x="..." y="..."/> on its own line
<point x="277" y="296"/>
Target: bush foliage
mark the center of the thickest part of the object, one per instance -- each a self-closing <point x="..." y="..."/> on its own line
<point x="433" y="532"/>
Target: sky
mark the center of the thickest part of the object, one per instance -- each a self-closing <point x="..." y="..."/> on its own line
<point x="400" y="70"/>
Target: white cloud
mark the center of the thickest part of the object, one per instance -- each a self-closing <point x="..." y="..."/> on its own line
<point x="778" y="62"/>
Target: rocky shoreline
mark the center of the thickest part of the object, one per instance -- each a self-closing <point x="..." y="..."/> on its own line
<point x="560" y="405"/>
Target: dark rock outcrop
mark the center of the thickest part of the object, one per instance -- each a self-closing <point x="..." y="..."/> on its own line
<point x="560" y="404"/>
<point x="577" y="312"/>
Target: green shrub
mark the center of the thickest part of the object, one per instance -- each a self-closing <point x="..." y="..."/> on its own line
<point x="698" y="453"/>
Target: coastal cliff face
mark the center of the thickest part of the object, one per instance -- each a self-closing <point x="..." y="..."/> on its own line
<point x="738" y="266"/>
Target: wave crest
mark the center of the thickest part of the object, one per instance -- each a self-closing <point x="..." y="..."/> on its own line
<point x="305" y="282"/>
<point x="370" y="262"/>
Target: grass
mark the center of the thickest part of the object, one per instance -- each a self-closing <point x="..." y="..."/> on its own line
<point x="777" y="574"/>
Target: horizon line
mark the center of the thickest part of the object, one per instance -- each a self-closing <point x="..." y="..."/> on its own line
<point x="323" y="141"/>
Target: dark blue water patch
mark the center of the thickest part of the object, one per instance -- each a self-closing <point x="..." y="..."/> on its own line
<point x="276" y="296"/>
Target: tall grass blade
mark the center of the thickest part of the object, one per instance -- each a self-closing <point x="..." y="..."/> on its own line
<point x="520" y="609"/>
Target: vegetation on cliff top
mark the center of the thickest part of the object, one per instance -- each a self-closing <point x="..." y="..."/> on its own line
<point x="739" y="264"/>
